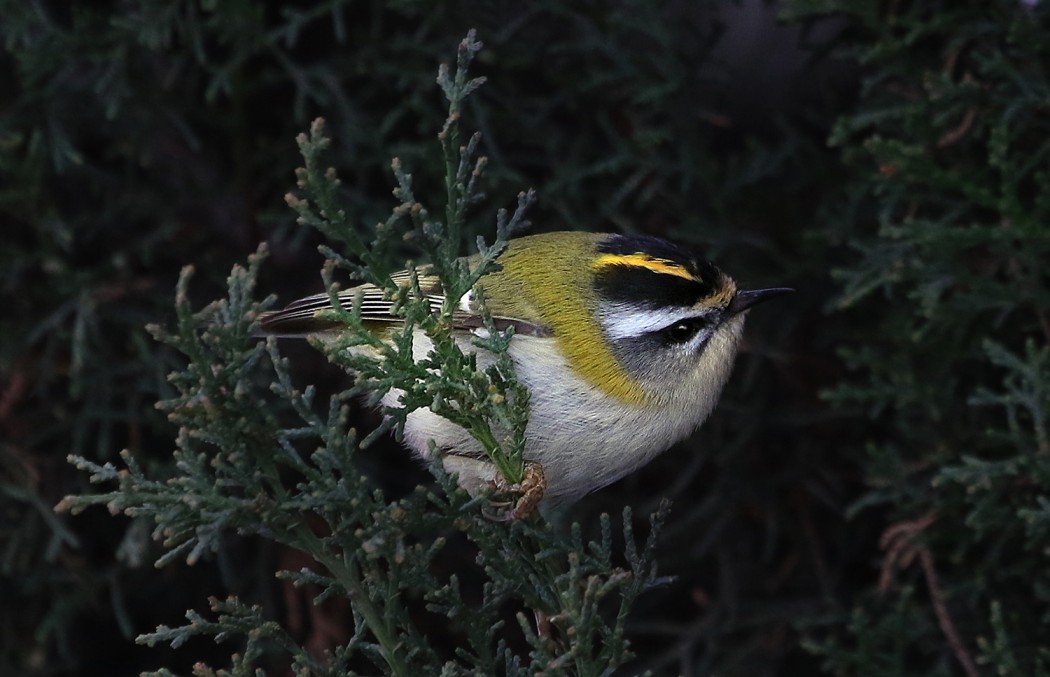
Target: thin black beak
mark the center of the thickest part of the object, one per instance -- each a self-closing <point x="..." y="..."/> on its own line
<point x="745" y="299"/>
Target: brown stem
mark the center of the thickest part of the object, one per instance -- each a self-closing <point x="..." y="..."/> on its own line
<point x="943" y="618"/>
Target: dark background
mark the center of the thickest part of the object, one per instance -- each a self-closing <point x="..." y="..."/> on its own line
<point x="888" y="160"/>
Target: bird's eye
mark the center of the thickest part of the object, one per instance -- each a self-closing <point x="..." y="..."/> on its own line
<point x="683" y="331"/>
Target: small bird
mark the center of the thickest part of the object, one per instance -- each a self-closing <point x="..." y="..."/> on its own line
<point x="623" y="341"/>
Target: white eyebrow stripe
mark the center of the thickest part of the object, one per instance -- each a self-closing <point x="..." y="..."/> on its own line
<point x="622" y="322"/>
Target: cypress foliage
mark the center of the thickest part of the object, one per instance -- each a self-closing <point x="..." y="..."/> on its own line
<point x="868" y="498"/>
<point x="950" y="147"/>
<point x="238" y="468"/>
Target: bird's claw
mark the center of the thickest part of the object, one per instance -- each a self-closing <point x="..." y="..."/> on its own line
<point x="529" y="492"/>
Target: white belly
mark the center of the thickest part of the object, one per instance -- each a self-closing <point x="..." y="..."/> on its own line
<point x="584" y="438"/>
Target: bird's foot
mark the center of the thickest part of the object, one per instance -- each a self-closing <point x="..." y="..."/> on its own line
<point x="529" y="492"/>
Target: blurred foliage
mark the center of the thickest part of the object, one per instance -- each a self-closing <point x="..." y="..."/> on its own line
<point x="950" y="150"/>
<point x="139" y="136"/>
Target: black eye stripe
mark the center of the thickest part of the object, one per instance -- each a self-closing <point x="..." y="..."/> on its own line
<point x="683" y="331"/>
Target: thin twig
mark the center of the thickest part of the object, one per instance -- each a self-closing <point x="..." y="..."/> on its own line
<point x="953" y="135"/>
<point x="901" y="551"/>
<point x="943" y="618"/>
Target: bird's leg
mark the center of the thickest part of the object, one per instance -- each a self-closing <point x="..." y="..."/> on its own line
<point x="529" y="491"/>
<point x="479" y="475"/>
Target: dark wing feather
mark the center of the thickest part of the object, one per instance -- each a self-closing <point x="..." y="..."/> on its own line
<point x="301" y="318"/>
<point x="304" y="317"/>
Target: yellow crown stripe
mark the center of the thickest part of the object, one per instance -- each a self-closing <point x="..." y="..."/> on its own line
<point x="662" y="266"/>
